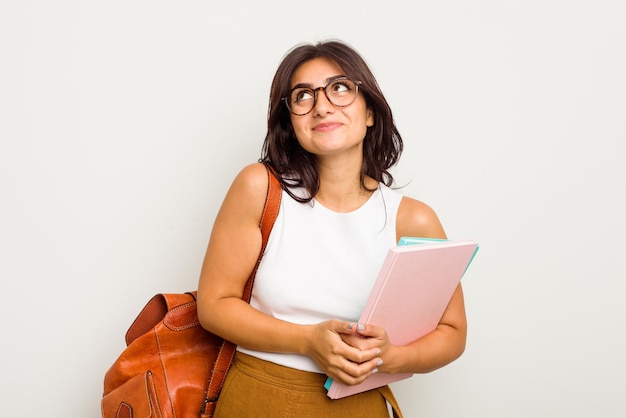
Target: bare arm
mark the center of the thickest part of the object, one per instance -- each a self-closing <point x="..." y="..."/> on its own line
<point x="231" y="255"/>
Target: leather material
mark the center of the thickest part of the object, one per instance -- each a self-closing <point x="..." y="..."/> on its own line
<point x="172" y="367"/>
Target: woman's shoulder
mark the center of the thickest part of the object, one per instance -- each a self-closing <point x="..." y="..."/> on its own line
<point x="252" y="179"/>
<point x="247" y="193"/>
<point x="417" y="219"/>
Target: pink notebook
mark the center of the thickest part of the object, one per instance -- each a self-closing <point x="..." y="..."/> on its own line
<point x="408" y="299"/>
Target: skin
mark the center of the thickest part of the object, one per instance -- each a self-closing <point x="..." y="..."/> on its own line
<point x="345" y="351"/>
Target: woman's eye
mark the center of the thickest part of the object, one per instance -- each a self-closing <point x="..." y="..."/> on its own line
<point x="303" y="95"/>
<point x="340" y="86"/>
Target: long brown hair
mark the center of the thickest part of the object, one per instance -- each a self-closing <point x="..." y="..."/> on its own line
<point x="382" y="145"/>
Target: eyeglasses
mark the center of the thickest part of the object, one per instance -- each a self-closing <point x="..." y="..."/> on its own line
<point x="340" y="92"/>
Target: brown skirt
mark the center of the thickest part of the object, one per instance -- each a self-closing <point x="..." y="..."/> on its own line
<point x="257" y="388"/>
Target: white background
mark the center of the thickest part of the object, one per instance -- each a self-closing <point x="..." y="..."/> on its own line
<point x="122" y="123"/>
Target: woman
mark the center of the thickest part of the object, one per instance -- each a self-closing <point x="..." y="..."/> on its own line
<point x="332" y="139"/>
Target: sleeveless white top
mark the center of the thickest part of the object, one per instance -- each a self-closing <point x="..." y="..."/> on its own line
<point x="321" y="265"/>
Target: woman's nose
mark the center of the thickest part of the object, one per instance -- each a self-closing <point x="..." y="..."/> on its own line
<point x="322" y="104"/>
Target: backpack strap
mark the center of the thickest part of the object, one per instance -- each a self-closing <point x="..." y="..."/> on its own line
<point x="227" y="351"/>
<point x="268" y="218"/>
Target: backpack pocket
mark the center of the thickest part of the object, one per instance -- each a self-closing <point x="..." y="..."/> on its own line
<point x="136" y="398"/>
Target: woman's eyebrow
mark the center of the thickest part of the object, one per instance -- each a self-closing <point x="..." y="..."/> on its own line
<point x="310" y="86"/>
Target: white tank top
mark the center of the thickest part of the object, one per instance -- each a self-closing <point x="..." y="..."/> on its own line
<point x="321" y="265"/>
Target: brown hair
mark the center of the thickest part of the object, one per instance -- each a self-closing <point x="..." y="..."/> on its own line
<point x="382" y="145"/>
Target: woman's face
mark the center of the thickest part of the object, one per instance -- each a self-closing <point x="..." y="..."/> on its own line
<point x="327" y="129"/>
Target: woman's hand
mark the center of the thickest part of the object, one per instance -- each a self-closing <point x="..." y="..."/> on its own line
<point x="365" y="337"/>
<point x="336" y="347"/>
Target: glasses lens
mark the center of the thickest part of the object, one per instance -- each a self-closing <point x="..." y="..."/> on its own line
<point x="341" y="92"/>
<point x="301" y="101"/>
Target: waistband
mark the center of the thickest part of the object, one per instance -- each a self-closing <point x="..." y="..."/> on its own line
<point x="282" y="376"/>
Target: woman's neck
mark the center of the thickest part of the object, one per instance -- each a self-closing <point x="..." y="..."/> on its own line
<point x="340" y="187"/>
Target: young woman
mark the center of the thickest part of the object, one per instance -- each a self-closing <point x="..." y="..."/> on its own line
<point x="331" y="139"/>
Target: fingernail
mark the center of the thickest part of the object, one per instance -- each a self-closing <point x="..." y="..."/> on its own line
<point x="351" y="325"/>
<point x="378" y="352"/>
<point x="375" y="371"/>
<point x="361" y="327"/>
<point x="380" y="363"/>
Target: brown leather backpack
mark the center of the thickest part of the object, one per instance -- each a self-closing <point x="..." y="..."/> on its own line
<point x="172" y="367"/>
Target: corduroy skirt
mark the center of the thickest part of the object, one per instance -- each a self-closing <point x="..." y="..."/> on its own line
<point x="256" y="388"/>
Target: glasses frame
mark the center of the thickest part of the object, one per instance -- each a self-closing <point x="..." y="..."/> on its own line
<point x="317" y="89"/>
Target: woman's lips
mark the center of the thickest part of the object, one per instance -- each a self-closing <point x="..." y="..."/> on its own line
<point x="326" y="127"/>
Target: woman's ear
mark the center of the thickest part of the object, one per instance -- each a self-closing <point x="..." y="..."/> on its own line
<point x="370" y="118"/>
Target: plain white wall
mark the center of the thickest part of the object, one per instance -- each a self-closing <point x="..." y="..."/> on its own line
<point x="123" y="123"/>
